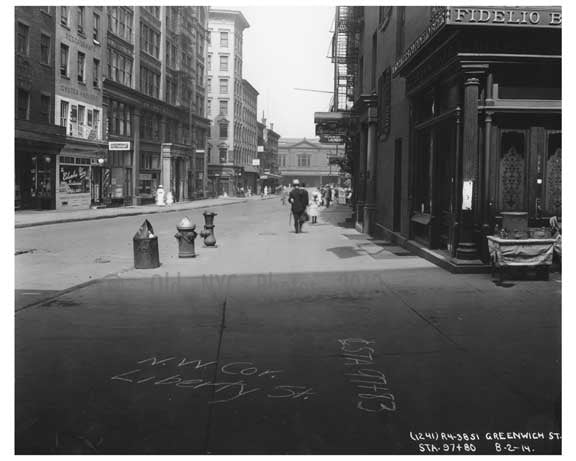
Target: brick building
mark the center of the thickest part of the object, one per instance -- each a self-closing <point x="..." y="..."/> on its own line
<point x="38" y="140"/>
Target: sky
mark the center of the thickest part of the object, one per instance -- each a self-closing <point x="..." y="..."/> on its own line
<point x="285" y="48"/>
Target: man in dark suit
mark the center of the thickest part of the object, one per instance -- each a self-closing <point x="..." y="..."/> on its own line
<point x="298" y="197"/>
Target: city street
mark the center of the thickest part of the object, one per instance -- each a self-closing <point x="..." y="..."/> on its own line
<point x="325" y="342"/>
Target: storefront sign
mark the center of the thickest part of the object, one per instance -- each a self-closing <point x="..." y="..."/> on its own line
<point x="119" y="145"/>
<point x="255" y="162"/>
<point x="145" y="176"/>
<point x="506" y="16"/>
<point x="332" y="139"/>
<point x="457" y="16"/>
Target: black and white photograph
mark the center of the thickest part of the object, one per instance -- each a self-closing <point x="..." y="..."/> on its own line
<point x="307" y="228"/>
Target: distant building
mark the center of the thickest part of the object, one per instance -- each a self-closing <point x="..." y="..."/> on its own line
<point x="225" y="103"/>
<point x="246" y="144"/>
<point x="38" y="140"/>
<point x="309" y="161"/>
<point x="268" y="156"/>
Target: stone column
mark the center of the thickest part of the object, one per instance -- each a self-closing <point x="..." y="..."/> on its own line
<point x="468" y="244"/>
<point x="136" y="156"/>
<point x="370" y="204"/>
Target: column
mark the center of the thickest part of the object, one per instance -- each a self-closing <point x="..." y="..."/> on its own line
<point x="361" y="186"/>
<point x="469" y="212"/>
<point x="136" y="156"/>
<point x="370" y="197"/>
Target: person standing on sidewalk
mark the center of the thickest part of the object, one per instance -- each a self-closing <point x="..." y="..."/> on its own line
<point x="327" y="196"/>
<point x="299" y="199"/>
<point x="313" y="210"/>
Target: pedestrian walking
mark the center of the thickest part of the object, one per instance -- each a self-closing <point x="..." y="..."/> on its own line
<point x="313" y="209"/>
<point x="327" y="197"/>
<point x="284" y="195"/>
<point x="298" y="198"/>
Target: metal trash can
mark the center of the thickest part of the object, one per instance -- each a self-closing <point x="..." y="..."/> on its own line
<point x="146" y="247"/>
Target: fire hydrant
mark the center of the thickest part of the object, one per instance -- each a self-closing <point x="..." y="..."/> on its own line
<point x="208" y="233"/>
<point x="186" y="235"/>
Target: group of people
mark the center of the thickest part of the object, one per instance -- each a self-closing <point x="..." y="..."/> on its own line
<point x="302" y="208"/>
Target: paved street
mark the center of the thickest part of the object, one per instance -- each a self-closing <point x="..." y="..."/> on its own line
<point x="324" y="342"/>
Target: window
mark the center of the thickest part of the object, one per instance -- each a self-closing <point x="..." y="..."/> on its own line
<point x="96" y="27"/>
<point x="224" y="63"/>
<point x="64" y="113"/>
<point x="224" y="39"/>
<point x="209" y="63"/>
<point x="223" y="151"/>
<point x="209" y="108"/>
<point x="23" y="104"/>
<point x="209" y="85"/>
<point x="45" y="107"/>
<point x="81" y="64"/>
<point x="64" y="60"/>
<point x="149" y="82"/>
<point x="81" y="117"/>
<point x="80" y="11"/>
<point x="223" y="107"/>
<point x="223" y="86"/>
<point x="96" y="73"/>
<point x="120" y="22"/>
<point x="44" y="49"/>
<point x="149" y="40"/>
<point x="64" y="16"/>
<point x="282" y="159"/>
<point x="89" y="119"/>
<point x="23" y="38"/>
<point x="303" y="160"/>
<point x="400" y="23"/>
<point x="74" y="179"/>
<point x="149" y="161"/>
<point x="223" y="130"/>
<point x="96" y="122"/>
<point x="119" y="67"/>
<point x="170" y="91"/>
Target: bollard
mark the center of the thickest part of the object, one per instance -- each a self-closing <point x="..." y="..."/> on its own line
<point x="186" y="235"/>
<point x="208" y="233"/>
<point x="146" y="247"/>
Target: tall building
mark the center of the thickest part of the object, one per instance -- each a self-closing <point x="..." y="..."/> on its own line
<point x="154" y="99"/>
<point x="225" y="103"/>
<point x="452" y="115"/>
<point x="38" y="140"/>
<point x="80" y="44"/>
<point x="246" y="144"/>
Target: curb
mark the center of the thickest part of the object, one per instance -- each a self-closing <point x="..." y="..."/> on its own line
<point x="134" y="213"/>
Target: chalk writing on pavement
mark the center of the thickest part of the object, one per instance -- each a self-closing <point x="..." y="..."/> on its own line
<point x="246" y="378"/>
<point x="373" y="393"/>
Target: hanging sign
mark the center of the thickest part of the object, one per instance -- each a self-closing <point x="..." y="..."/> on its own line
<point x="467" y="189"/>
<point x="119" y="145"/>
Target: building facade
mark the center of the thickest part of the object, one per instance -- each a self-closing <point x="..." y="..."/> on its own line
<point x="80" y="44"/>
<point x="453" y="115"/>
<point x="309" y="161"/>
<point x="154" y="97"/>
<point x="268" y="156"/>
<point x="126" y="94"/>
<point x="225" y="100"/>
<point x="38" y="140"/>
<point x="246" y="145"/>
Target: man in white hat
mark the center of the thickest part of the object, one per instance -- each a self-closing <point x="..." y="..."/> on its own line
<point x="298" y="197"/>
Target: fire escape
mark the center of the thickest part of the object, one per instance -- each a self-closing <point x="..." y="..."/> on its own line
<point x="345" y="51"/>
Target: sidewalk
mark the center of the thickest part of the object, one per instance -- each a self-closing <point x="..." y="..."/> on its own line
<point x="30" y="218"/>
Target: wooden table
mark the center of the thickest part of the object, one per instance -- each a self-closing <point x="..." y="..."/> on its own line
<point x="520" y="253"/>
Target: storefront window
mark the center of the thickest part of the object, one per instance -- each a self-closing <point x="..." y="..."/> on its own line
<point x="74" y="179"/>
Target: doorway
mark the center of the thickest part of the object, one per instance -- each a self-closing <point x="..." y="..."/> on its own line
<point x="529" y="169"/>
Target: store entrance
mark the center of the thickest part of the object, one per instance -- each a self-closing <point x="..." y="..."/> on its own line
<point x="529" y="168"/>
<point x="35" y="179"/>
